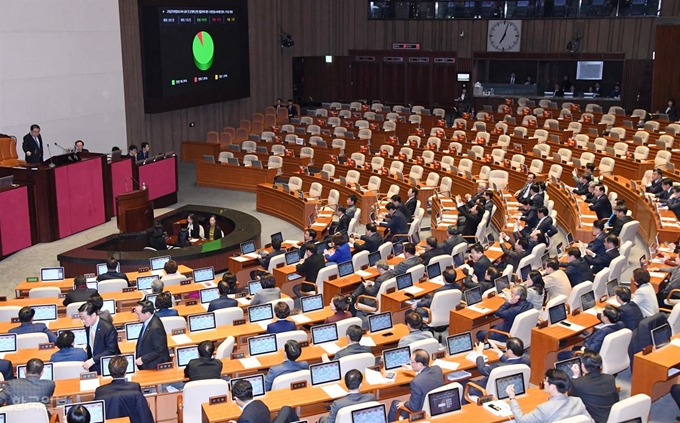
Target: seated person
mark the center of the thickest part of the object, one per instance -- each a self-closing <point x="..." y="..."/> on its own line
<point x="29" y="389"/>
<point x="596" y="246"/>
<point x="343" y="221"/>
<point x="371" y="288"/>
<point x="339" y="306"/>
<point x="600" y="261"/>
<point x="427" y="378"/>
<point x="515" y="304"/>
<point x="253" y="410"/>
<point x="223" y="301"/>
<point x="172" y="275"/>
<point x="449" y="275"/>
<point x="478" y="261"/>
<point x="78" y="414"/>
<point x="556" y="280"/>
<point x="610" y="317"/>
<point x="485" y="284"/>
<point x="597" y="390"/>
<point x="310" y="266"/>
<point x="410" y="259"/>
<point x="454" y="239"/>
<point x="431" y="250"/>
<point x="66" y="350"/>
<point x="308" y="236"/>
<point x="265" y="257"/>
<point x="292" y="351"/>
<point x="157" y="238"/>
<point x="205" y="366"/>
<point x="214" y="231"/>
<point x="269" y="291"/>
<point x="120" y="394"/>
<point x="353" y="379"/>
<point x="395" y="222"/>
<point x="282" y="324"/>
<point x="230" y="279"/>
<point x="353" y="335"/>
<point x="372" y="240"/>
<point x="576" y="268"/>
<point x="631" y="315"/>
<point x="514" y="354"/>
<point x="111" y="272"/>
<point x="516" y="254"/>
<point x="644" y="295"/>
<point x="80" y="291"/>
<point x="164" y="305"/>
<point x="27" y="326"/>
<point x="342" y="251"/>
<point x="414" y="323"/>
<point x="535" y="289"/>
<point x="183" y="239"/>
<point x="193" y="227"/>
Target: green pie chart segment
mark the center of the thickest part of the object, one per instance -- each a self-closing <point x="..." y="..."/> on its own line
<point x="204" y="50"/>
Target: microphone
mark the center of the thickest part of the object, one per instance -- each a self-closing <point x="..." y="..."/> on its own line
<point x="66" y="150"/>
<point x="143" y="185"/>
<point x="51" y="165"/>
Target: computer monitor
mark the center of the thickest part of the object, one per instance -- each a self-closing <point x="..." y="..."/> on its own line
<point x="544" y="259"/>
<point x="502" y="283"/>
<point x="131" y="368"/>
<point x="324" y="333"/>
<point x="502" y="383"/>
<point x="47" y="372"/>
<point x="557" y="313"/>
<point x="292" y="257"/>
<point x="560" y="249"/>
<point x="374" y="414"/>
<point x="259" y="313"/>
<point x="444" y="402"/>
<point x="661" y="335"/>
<point x="133" y="330"/>
<point x="203" y="321"/>
<point x="80" y="337"/>
<point x="204" y="274"/>
<point x="459" y="343"/>
<point x="490" y="239"/>
<point x="247" y="247"/>
<point x="321" y="246"/>
<point x="263" y="344"/>
<point x="380" y="322"/>
<point x="209" y="294"/>
<point x="588" y="300"/>
<point x="373" y="258"/>
<point x="311" y="303"/>
<point x="276" y="237"/>
<point x="144" y="282"/>
<point x="93" y="284"/>
<point x="44" y="312"/>
<point x="565" y="365"/>
<point x="395" y="357"/>
<point x="254" y="286"/>
<point x="459" y="259"/>
<point x="415" y="237"/>
<point x="8" y="342"/>
<point x="256" y="381"/>
<point x="52" y="274"/>
<point x="473" y="296"/>
<point x="570" y="238"/>
<point x="346" y="268"/>
<point x="110" y="306"/>
<point x="434" y="270"/>
<point x="525" y="271"/>
<point x="404" y="281"/>
<point x="398" y="248"/>
<point x="325" y="373"/>
<point x="611" y="287"/>
<point x="158" y="263"/>
<point x="186" y="354"/>
<point x="96" y="409"/>
<point x="101" y="268"/>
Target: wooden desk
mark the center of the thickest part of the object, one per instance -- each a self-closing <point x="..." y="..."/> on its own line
<point x="469" y="320"/>
<point x="286" y="206"/>
<point x="650" y="372"/>
<point x="365" y="199"/>
<point x="241" y="178"/>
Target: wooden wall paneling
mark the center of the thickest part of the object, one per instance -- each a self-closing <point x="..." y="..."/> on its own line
<point x="419" y="80"/>
<point x="393" y="80"/>
<point x="444" y="84"/>
<point x="366" y="80"/>
<point x="666" y="80"/>
<point x="670" y="8"/>
<point x="637" y="77"/>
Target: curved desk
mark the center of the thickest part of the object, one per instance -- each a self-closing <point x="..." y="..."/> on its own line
<point x="286" y="206"/>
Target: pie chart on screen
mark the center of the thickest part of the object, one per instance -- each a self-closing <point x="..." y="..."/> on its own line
<point x="204" y="50"/>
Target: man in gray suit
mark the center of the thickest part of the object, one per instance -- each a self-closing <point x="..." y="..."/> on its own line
<point x="30" y="389"/>
<point x="371" y="288"/>
<point x="289" y="365"/>
<point x="269" y="291"/>
<point x="353" y="334"/>
<point x="410" y="259"/>
<point x="514" y="354"/>
<point x="427" y="378"/>
<point x="558" y="406"/>
<point x="414" y="323"/>
<point x="353" y="380"/>
<point x="453" y="240"/>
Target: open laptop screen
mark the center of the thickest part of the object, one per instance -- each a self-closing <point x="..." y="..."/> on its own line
<point x="433" y="271"/>
<point x="345" y="268"/>
<point x="186" y="354"/>
<point x="44" y="312"/>
<point x="375" y="414"/>
<point x="395" y="357"/>
<point x="259" y="313"/>
<point x="263" y="344"/>
<point x="473" y="296"/>
<point x="51" y="274"/>
<point x="557" y="313"/>
<point x="158" y="263"/>
<point x="311" y="303"/>
<point x="565" y="365"/>
<point x="325" y="372"/>
<point x="459" y="343"/>
<point x="256" y="381"/>
<point x="209" y="294"/>
<point x="588" y="300"/>
<point x="324" y="333"/>
<point x="247" y="247"/>
<point x="96" y="409"/>
<point x="8" y="342"/>
<point x="661" y="335"/>
<point x="204" y="274"/>
<point x="502" y="383"/>
<point x="47" y="372"/>
<point x="443" y="402"/>
<point x="373" y="258"/>
<point x="404" y="281"/>
<point x="378" y="322"/>
<point x="204" y="321"/>
<point x="131" y="368"/>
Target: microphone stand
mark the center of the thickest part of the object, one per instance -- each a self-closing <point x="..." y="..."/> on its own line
<point x="51" y="165"/>
<point x="66" y="150"/>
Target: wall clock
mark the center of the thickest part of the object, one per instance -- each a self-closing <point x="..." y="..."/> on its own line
<point x="504" y="36"/>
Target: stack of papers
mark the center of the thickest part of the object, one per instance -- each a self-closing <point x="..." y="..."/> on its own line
<point x="251" y="256"/>
<point x="264" y="323"/>
<point x="367" y="341"/>
<point x="375" y="378"/>
<point x="658" y="274"/>
<point x="89" y="384"/>
<point x="363" y="273"/>
<point x="250" y="362"/>
<point x="300" y="319"/>
<point x="413" y="290"/>
<point x="334" y="391"/>
<point x="498" y="408"/>
<point x="574" y="327"/>
<point x="330" y="347"/>
<point x="182" y="339"/>
<point x="243" y="300"/>
<point x="448" y="365"/>
<point x="472" y="356"/>
<point x="497" y="249"/>
<point x="481" y="310"/>
<point x="241" y="259"/>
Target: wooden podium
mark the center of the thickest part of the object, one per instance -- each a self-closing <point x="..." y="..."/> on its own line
<point x="135" y="211"/>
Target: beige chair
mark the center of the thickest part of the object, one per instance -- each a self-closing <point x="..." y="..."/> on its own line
<point x="196" y="393"/>
<point x="44" y="292"/>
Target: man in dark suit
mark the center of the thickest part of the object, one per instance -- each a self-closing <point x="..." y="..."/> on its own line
<point x="396" y="224"/>
<point x="103" y="343"/>
<point x="80" y="291"/>
<point x="292" y="350"/>
<point x="33" y="145"/>
<point x="516" y="254"/>
<point x="6" y="369"/>
<point x="431" y="250"/>
<point x="515" y="304"/>
<point x="529" y="217"/>
<point x="313" y="262"/>
<point x="123" y="398"/>
<point x="343" y="221"/>
<point x="205" y="366"/>
<point x="583" y="182"/>
<point x="412" y="201"/>
<point x="655" y="185"/>
<point x="666" y="190"/>
<point x="143" y="153"/>
<point x="353" y="334"/>
<point x="597" y="244"/>
<point x="611" y="317"/>
<point x="449" y="276"/>
<point x="282" y="324"/>
<point x="29" y="389"/>
<point x="525" y="191"/>
<point x="372" y="240"/>
<point x="79" y="147"/>
<point x="396" y="200"/>
<point x="576" y="268"/>
<point x="631" y="315"/>
<point x="112" y="271"/>
<point x="596" y="389"/>
<point x="600" y="261"/>
<point x="353" y="380"/>
<point x="601" y="206"/>
<point x="292" y="110"/>
<point x="427" y="378"/>
<point x="473" y="216"/>
<point x="621" y="219"/>
<point x="673" y="202"/>
<point x="266" y="257"/>
<point x="514" y="354"/>
<point x="545" y="222"/>
<point x="132" y="151"/>
<point x="223" y="301"/>
<point x="254" y="411"/>
<point x="27" y="326"/>
<point x="411" y="259"/>
<point x="371" y="288"/>
<point x="452" y="241"/>
<point x="152" y="345"/>
<point x="480" y="263"/>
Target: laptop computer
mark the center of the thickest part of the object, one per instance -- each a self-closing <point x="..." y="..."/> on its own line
<point x="260" y="313"/>
<point x="661" y="336"/>
<point x="323" y="373"/>
<point x="52" y="274"/>
<point x="324" y="333"/>
<point x="110" y="306"/>
<point x="292" y="257"/>
<point x="209" y="294"/>
<point x="144" y="282"/>
<point x="434" y="272"/>
<point x="398" y="249"/>
<point x="570" y="239"/>
<point x="502" y="283"/>
<point x="186" y="354"/>
<point x="502" y="383"/>
<point x="254" y="286"/>
<point x="156" y="264"/>
<point x="459" y="343"/>
<point x="311" y="303"/>
<point x="557" y="313"/>
<point x="373" y="414"/>
<point x="44" y="312"/>
<point x="373" y="258"/>
<point x="80" y="337"/>
<point x="394" y="358"/>
<point x="525" y="271"/>
<point x="101" y="268"/>
<point x="247" y="247"/>
<point x="203" y="321"/>
<point x="204" y="274"/>
<point x="256" y="381"/>
<point x="404" y="281"/>
<point x="97" y="410"/>
<point x="588" y="300"/>
<point x="565" y="365"/>
<point x="263" y="344"/>
<point x="345" y="269"/>
<point x="611" y="288"/>
<point x="473" y="296"/>
<point x="444" y="402"/>
<point x="380" y="322"/>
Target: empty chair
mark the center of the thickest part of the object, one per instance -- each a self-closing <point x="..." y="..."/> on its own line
<point x="196" y="393"/>
<point x="608" y="119"/>
<point x="456" y="146"/>
<point x="428" y="156"/>
<point x="565" y="154"/>
<point x="408" y="151"/>
<point x="581" y="140"/>
<point x="249" y="146"/>
<point x="544" y="150"/>
<point x="332" y="201"/>
<point x="365" y="134"/>
<point x="574" y="300"/>
<point x="275" y="162"/>
<point x="334" y="121"/>
<point x="388" y="125"/>
<point x="287" y="128"/>
<point x="536" y="166"/>
<point x="376" y="107"/>
<point x="614" y="351"/>
<point x="527" y="120"/>
<point x="415" y="119"/>
<point x="555" y="171"/>
<point x="432" y="179"/>
<point x="631" y="409"/>
<point x="248" y="159"/>
<point x="112" y="285"/>
<point x="353" y="176"/>
<point x="564" y="113"/>
<point x="665" y="141"/>
<point x="374" y="183"/>
<point x="498" y="179"/>
<point x="416" y="172"/>
<point x="586" y="158"/>
<point x="503" y="141"/>
<point x="377" y="163"/>
<point x="339" y="131"/>
<point x="460" y="123"/>
<point x="330" y="168"/>
<point x="620" y="132"/>
<point x="480" y="126"/>
<point x="517" y="160"/>
<point x="575" y="127"/>
<point x="392" y="117"/>
<point x="361" y="124"/>
<point x="434" y="141"/>
<point x="359" y="158"/>
<point x="294" y="183"/>
<point x="413" y="139"/>
<point x="315" y="190"/>
<point x="369" y="115"/>
<point x="587" y="115"/>
<point x="306" y="120"/>
<point x="267" y="136"/>
<point x="445" y="186"/>
<point x="31" y="340"/>
<point x="606" y="165"/>
<point x="439" y="112"/>
<point x="345" y="114"/>
<point x="478" y="151"/>
<point x="621" y="149"/>
<point x="541" y="134"/>
<point x="44" y="292"/>
<point x="551" y="124"/>
<point x="395" y="167"/>
<point x="307" y="152"/>
<point x="498" y="155"/>
<point x="484" y="172"/>
<point x="388" y="148"/>
<point x="662" y="157"/>
<point x="465" y="165"/>
<point x="600" y="144"/>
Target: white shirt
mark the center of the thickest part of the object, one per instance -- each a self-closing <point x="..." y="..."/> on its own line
<point x="93" y="332"/>
<point x="645" y="298"/>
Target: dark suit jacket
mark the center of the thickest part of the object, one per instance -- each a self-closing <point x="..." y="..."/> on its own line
<point x="195" y="231"/>
<point x="281" y="326"/>
<point x="471" y="221"/>
<point x="30" y="389"/>
<point x="594" y="341"/>
<point x="406" y="212"/>
<point x="216" y="235"/>
<point x="411" y="205"/>
<point x="292" y="111"/>
<point x="513" y="257"/>
<point x="631" y="316"/>
<point x="485" y="369"/>
<point x="141" y="154"/>
<point x="598" y="393"/>
<point x="450" y="243"/>
<point x="6" y="369"/>
<point x="428" y="379"/>
<point x="78" y="295"/>
<point x="203" y="368"/>
<point x="343" y="223"/>
<point x="428" y="254"/>
<point x="602" y="207"/>
<point x="578" y="271"/>
<point x="601" y="261"/>
<point x="663" y="195"/>
<point x="112" y="275"/>
<point x="597" y="245"/>
<point x="346" y="401"/>
<point x="311" y="268"/>
<point x="654" y="187"/>
<point x="371" y="243"/>
<point x="124" y="399"/>
<point x="547" y="226"/>
<point x="255" y="412"/>
<point x="105" y="343"/>
<point x="222" y="302"/>
<point x="397" y="224"/>
<point x="618" y="225"/>
<point x="264" y="261"/>
<point x="351" y="349"/>
<point x="30" y="145"/>
<point x="152" y="345"/>
<point x="480" y="267"/>
<point x="537" y="201"/>
<point x="580" y="189"/>
<point x="158" y="243"/>
<point x="674" y="205"/>
<point x="34" y="328"/>
<point x="508" y="312"/>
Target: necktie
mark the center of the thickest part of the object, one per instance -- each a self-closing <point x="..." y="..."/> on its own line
<point x="37" y="143"/>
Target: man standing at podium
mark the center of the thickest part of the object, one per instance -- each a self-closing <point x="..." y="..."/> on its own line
<point x="33" y="145"/>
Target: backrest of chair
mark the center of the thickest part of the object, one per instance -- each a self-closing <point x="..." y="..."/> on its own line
<point x="295" y="335"/>
<point x="617" y="266"/>
<point x="356" y="361"/>
<point x="196" y="393"/>
<point x="226" y="316"/>
<point x="574" y="300"/>
<point x="44" y="292"/>
<point x="503" y="371"/>
<point x="173" y="322"/>
<point x="637" y="406"/>
<point x="431" y="345"/>
<point x="324" y="274"/>
<point x="614" y="351"/>
<point x="523" y="324"/>
<point x="560" y="299"/>
<point x="575" y="419"/>
<point x="284" y="381"/>
<point x="226" y="348"/>
<point x="36" y="413"/>
<point x="442" y="303"/>
<point x="600" y="282"/>
<point x="384" y="248"/>
<point x="111" y="285"/>
<point x="31" y="340"/>
<point x="67" y="370"/>
<point x="674" y="319"/>
<point x="445" y="387"/>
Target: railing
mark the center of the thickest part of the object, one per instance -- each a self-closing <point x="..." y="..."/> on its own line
<point x="481" y="9"/>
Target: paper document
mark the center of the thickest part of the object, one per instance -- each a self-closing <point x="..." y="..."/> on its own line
<point x="367" y="341"/>
<point x="658" y="274"/>
<point x="462" y="374"/>
<point x="472" y="356"/>
<point x="574" y="327"/>
<point x="243" y="300"/>
<point x="479" y="310"/>
<point x="413" y="290"/>
<point x="374" y="377"/>
<point x="498" y="408"/>
<point x="250" y="362"/>
<point x="330" y="347"/>
<point x="676" y="342"/>
<point x="497" y="249"/>
<point x="182" y="339"/>
<point x="363" y="273"/>
<point x="300" y="319"/>
<point x="251" y="256"/>
<point x="334" y="391"/>
<point x="241" y="259"/>
<point x="613" y="302"/>
<point x="89" y="384"/>
<point x="448" y="365"/>
<point x="264" y="323"/>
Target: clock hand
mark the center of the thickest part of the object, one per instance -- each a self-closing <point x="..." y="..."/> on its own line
<point x="504" y="33"/>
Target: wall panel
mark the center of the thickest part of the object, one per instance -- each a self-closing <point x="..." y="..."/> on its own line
<point x="666" y="65"/>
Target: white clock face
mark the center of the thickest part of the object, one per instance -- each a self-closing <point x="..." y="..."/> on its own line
<point x="504" y="35"/>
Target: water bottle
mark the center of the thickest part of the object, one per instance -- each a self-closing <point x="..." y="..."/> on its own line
<point x="491" y="91"/>
<point x="143" y="185"/>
